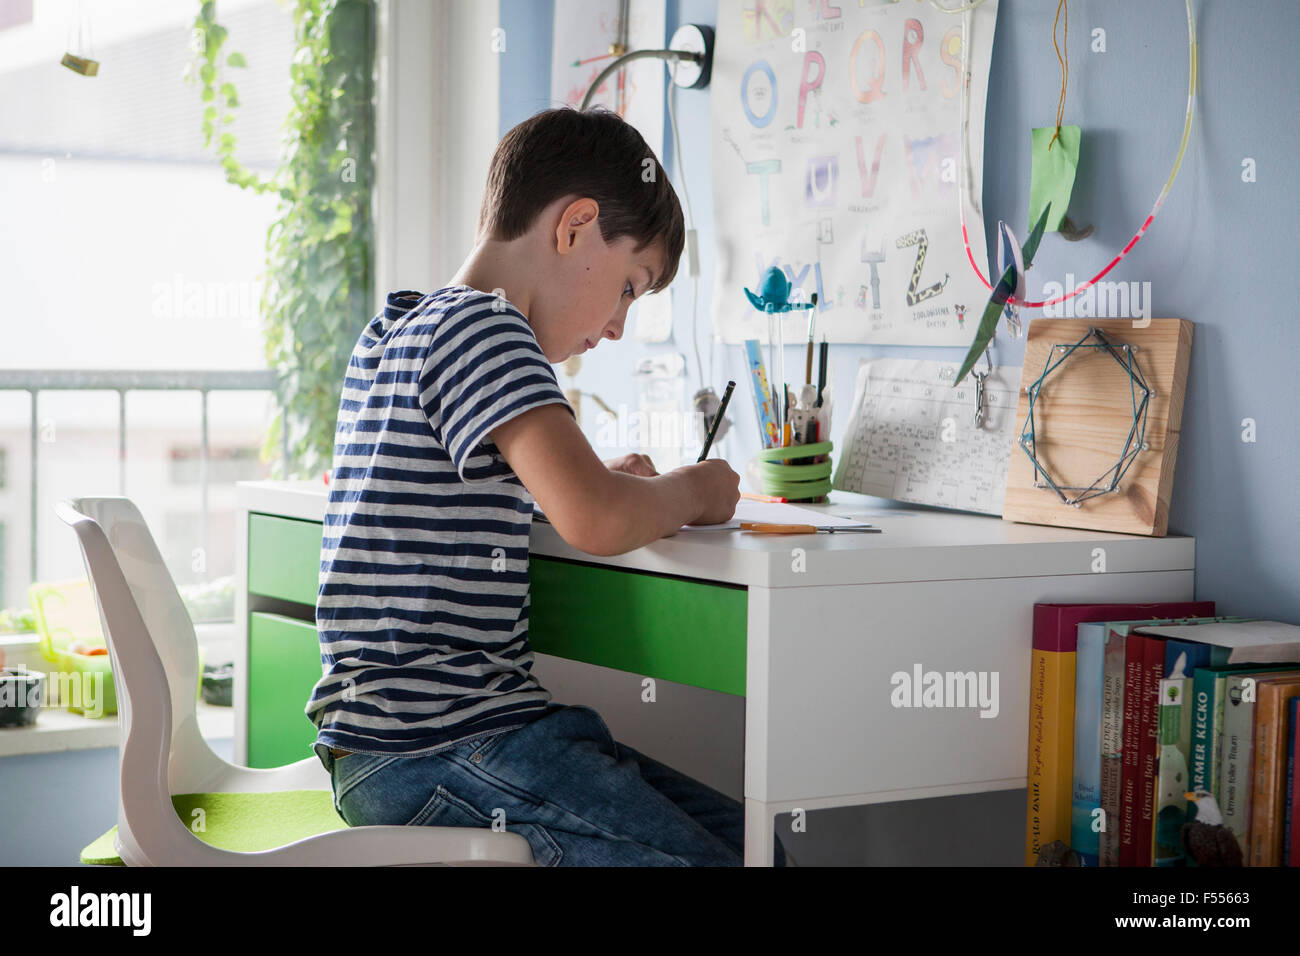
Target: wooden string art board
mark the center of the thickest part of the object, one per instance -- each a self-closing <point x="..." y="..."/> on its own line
<point x="1082" y="419"/>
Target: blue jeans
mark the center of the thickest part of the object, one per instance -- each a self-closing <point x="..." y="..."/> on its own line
<point x="561" y="782"/>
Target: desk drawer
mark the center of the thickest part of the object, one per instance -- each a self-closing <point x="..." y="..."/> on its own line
<point x="690" y="632"/>
<point x="283" y="667"/>
<point x="284" y="557"/>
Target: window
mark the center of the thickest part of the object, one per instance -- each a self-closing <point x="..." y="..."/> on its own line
<point x="225" y="465"/>
<point x="126" y="249"/>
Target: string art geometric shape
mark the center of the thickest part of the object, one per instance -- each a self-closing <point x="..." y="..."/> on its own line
<point x="1134" y="444"/>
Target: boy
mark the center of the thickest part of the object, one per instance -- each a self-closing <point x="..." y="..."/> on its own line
<point x="451" y="423"/>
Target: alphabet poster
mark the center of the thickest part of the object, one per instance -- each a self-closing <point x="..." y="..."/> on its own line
<point x="836" y="156"/>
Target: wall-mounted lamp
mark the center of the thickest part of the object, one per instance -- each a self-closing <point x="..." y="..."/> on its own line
<point x="691" y="48"/>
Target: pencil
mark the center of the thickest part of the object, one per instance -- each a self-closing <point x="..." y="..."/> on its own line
<point x="821" y="371"/>
<point x="713" y="429"/>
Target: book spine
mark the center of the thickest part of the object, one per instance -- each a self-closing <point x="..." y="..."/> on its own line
<point x="1130" y="762"/>
<point x="1051" y="750"/>
<point x="1290" y="849"/>
<point x="1173" y="737"/>
<point x="1265" y="840"/>
<point x="1153" y="662"/>
<point x="1202" y="752"/>
<point x="1220" y="694"/>
<point x="1086" y="781"/>
<point x="1112" y="747"/>
<point x="1238" y="757"/>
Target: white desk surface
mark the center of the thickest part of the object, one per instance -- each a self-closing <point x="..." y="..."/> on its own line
<point x="915" y="545"/>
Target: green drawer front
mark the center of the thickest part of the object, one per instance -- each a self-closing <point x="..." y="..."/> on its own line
<point x="283" y="666"/>
<point x="671" y="629"/>
<point x="284" y="557"/>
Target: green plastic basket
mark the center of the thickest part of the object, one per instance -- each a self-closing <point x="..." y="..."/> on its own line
<point x="808" y="482"/>
<point x="66" y="613"/>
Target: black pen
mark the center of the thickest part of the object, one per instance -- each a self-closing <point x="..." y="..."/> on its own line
<point x="713" y="429"/>
<point x="821" y="372"/>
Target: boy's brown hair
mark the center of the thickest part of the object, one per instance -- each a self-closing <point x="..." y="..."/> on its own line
<point x="593" y="153"/>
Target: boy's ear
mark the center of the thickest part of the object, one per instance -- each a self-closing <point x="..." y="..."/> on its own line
<point x="577" y="219"/>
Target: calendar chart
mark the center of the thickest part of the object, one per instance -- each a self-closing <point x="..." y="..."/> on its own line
<point x="912" y="436"/>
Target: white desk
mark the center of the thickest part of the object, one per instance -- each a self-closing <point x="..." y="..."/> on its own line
<point x="830" y="618"/>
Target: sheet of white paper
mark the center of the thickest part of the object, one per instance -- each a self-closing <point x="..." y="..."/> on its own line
<point x="771" y="513"/>
<point x="774" y="512"/>
<point x="1252" y="642"/>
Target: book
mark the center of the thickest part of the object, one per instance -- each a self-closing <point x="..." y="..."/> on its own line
<point x="1291" y="833"/>
<point x="1085" y="785"/>
<point x="1131" y="747"/>
<point x="1272" y="697"/>
<point x="1112" y="725"/>
<point x="1174" y="740"/>
<point x="1153" y="663"/>
<point x="1051" y="726"/>
<point x="1065" y="725"/>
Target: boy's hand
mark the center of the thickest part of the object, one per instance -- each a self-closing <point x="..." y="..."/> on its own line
<point x="718" y="490"/>
<point x="633" y="465"/>
<point x="596" y="508"/>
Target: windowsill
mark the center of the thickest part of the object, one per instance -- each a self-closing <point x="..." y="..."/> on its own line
<point x="58" y="729"/>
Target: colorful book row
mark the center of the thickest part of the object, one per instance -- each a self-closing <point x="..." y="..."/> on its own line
<point x="1146" y="717"/>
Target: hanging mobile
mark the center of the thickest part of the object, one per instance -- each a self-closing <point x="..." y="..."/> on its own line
<point x="963" y="178"/>
<point x="1013" y="277"/>
<point x="81" y="62"/>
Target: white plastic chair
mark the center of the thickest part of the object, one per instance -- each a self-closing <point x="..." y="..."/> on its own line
<point x="154" y="654"/>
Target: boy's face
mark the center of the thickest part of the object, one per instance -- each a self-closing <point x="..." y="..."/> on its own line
<point x="589" y="284"/>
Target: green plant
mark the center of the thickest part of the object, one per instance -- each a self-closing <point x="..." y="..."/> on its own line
<point x="319" y="281"/>
<point x="17" y="620"/>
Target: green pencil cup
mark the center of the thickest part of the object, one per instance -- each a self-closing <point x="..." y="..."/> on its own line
<point x="804" y="478"/>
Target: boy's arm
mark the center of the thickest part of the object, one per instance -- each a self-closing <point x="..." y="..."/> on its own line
<point x="594" y="509"/>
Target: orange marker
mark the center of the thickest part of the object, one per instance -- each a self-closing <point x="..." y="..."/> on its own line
<point x="771" y="499"/>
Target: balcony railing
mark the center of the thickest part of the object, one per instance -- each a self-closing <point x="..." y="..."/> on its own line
<point x="123" y="381"/>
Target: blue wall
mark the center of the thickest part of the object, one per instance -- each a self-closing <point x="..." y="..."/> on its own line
<point x="1215" y="255"/>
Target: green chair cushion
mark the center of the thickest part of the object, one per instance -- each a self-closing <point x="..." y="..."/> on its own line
<point x="243" y="822"/>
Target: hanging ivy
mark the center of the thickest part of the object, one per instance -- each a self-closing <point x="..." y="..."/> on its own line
<point x="319" y="282"/>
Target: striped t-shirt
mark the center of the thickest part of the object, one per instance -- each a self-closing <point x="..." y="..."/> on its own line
<point x="422" y="607"/>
